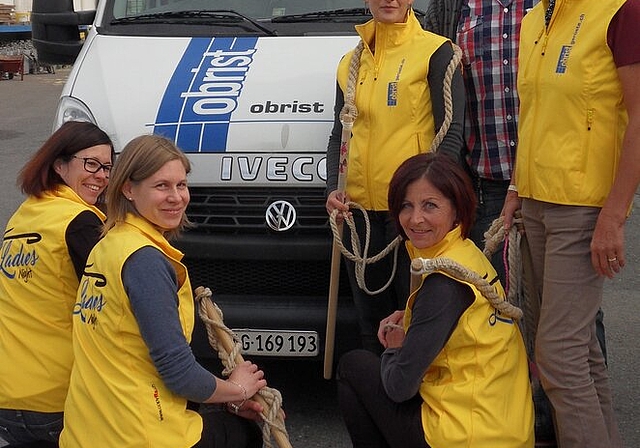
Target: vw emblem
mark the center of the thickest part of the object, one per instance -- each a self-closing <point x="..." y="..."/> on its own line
<point x="280" y="216"/>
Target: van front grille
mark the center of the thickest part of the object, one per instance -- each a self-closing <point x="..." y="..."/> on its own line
<point x="242" y="210"/>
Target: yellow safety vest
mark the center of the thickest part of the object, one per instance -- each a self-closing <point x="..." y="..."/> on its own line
<point x="572" y="117"/>
<point x="116" y="396"/>
<point x="38" y="285"/>
<point x="476" y="392"/>
<point x="395" y="119"/>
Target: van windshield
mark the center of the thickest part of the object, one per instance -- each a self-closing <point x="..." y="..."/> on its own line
<point x="256" y="9"/>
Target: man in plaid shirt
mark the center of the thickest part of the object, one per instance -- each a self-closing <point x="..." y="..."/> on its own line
<point x="488" y="33"/>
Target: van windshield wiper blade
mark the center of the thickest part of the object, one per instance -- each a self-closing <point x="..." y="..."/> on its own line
<point x="322" y="15"/>
<point x="329" y="15"/>
<point x="222" y="16"/>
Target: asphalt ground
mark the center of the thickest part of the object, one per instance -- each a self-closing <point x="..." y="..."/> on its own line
<point x="26" y="115"/>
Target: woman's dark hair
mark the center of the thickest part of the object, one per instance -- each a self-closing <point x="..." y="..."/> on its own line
<point x="444" y="174"/>
<point x="38" y="174"/>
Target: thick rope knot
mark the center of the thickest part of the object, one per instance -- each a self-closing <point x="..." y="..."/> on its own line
<point x="421" y="266"/>
<point x="228" y="346"/>
<point x="349" y="111"/>
<point x="228" y="359"/>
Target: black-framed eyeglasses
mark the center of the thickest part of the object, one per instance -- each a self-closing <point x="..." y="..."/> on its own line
<point x="92" y="165"/>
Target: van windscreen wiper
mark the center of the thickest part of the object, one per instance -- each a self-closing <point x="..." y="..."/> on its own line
<point x="331" y="15"/>
<point x="218" y="17"/>
<point x="319" y="16"/>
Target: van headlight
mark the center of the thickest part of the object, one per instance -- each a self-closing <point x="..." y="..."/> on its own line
<point x="72" y="109"/>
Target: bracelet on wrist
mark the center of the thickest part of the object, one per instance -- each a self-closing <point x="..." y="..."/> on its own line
<point x="235" y="408"/>
<point x="512" y="187"/>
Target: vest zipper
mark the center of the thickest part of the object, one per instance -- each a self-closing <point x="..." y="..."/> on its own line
<point x="544" y="43"/>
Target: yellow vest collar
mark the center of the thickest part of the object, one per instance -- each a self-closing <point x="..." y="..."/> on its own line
<point x="153" y="234"/>
<point x="449" y="239"/>
<point x="388" y="33"/>
<point x="65" y="192"/>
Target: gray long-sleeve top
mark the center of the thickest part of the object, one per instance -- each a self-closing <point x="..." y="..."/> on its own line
<point x="151" y="284"/>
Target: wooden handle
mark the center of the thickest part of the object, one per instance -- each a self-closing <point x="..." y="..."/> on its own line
<point x="332" y="309"/>
<point x="334" y="281"/>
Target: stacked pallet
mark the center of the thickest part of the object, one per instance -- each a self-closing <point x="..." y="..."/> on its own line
<point x="7" y="14"/>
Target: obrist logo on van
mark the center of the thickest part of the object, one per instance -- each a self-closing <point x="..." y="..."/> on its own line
<point x="203" y="92"/>
<point x="295" y="107"/>
<point x="198" y="105"/>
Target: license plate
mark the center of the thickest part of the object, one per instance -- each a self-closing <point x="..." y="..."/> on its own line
<point x="278" y="343"/>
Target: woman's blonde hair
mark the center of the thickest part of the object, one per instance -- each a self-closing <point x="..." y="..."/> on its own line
<point x="140" y="159"/>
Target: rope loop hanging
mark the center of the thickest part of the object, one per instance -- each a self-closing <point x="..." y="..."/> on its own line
<point x="228" y="346"/>
<point x="517" y="290"/>
<point x="361" y="259"/>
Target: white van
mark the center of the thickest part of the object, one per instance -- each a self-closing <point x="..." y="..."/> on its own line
<point x="246" y="88"/>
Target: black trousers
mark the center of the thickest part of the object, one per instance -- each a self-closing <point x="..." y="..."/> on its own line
<point x="373" y="420"/>
<point x="221" y="429"/>
<point x="372" y="309"/>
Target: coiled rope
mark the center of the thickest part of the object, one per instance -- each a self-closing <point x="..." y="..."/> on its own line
<point x="348" y="115"/>
<point x="227" y="345"/>
<point x="518" y="290"/>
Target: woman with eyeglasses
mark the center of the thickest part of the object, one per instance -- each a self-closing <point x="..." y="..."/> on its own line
<point x="44" y="249"/>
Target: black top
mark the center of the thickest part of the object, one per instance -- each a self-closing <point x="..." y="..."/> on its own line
<point x="83" y="232"/>
<point x="436" y="310"/>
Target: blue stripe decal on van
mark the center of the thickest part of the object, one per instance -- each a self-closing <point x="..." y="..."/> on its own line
<point x="203" y="92"/>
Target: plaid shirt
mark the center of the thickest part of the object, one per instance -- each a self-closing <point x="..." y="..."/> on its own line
<point x="488" y="34"/>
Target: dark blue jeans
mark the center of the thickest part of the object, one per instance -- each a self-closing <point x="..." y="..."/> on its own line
<point x="18" y="427"/>
<point x="490" y="195"/>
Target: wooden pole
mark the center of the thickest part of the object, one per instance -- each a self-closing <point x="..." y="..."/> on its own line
<point x="334" y="281"/>
<point x="332" y="308"/>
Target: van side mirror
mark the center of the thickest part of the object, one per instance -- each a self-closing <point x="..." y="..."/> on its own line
<point x="55" y="30"/>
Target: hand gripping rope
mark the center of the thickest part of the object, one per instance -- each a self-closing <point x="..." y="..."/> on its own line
<point x="228" y="346"/>
<point x="348" y="115"/>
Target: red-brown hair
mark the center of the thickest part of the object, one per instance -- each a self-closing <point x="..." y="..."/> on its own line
<point x="444" y="174"/>
<point x="38" y="174"/>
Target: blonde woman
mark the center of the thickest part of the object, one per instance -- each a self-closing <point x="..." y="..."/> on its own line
<point x="133" y="319"/>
